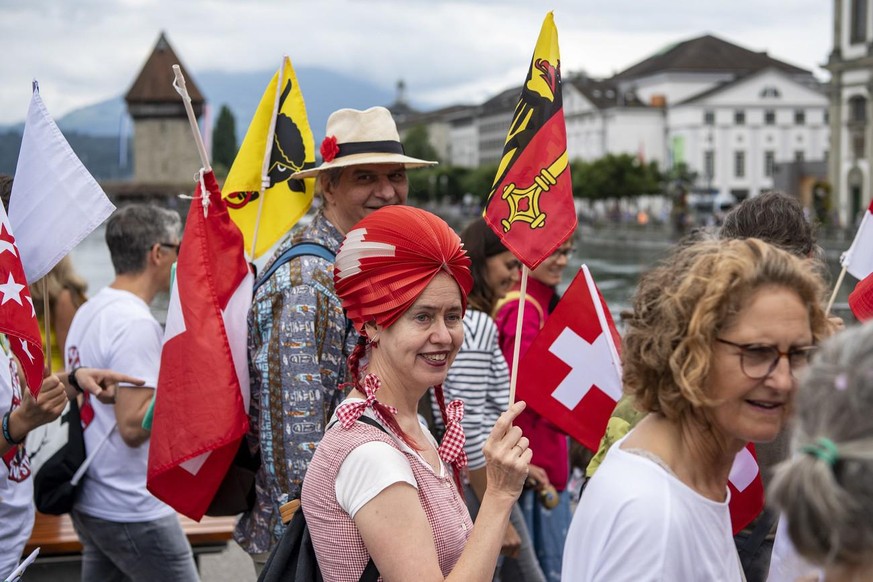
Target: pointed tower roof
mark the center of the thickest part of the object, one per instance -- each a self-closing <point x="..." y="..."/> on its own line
<point x="154" y="84"/>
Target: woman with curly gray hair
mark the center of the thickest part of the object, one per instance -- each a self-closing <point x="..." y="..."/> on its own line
<point x="826" y="490"/>
<point x="717" y="335"/>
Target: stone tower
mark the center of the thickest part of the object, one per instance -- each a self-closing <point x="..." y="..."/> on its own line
<point x="164" y="150"/>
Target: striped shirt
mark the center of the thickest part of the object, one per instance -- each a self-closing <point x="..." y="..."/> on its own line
<point x="479" y="376"/>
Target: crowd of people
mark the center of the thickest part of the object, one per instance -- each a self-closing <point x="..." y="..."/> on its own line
<point x="380" y="400"/>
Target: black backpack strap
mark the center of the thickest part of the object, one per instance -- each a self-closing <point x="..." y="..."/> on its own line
<point x="296" y="250"/>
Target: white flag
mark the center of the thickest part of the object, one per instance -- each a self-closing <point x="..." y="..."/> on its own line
<point x="858" y="260"/>
<point x="55" y="202"/>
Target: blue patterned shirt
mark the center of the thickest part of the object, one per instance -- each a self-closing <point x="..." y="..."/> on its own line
<point x="298" y="347"/>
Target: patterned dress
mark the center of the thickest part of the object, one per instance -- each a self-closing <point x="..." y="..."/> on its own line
<point x="339" y="548"/>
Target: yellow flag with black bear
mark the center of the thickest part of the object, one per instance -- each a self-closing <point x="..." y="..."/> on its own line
<point x="261" y="198"/>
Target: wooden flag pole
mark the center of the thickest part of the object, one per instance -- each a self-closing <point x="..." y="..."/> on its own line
<point x="46" y="319"/>
<point x="836" y="290"/>
<point x="268" y="154"/>
<point x="516" y="348"/>
<point x="179" y="84"/>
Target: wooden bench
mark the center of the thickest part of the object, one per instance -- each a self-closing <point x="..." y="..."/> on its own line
<point x="58" y="542"/>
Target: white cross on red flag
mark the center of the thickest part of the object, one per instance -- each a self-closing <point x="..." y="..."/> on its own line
<point x="17" y="314"/>
<point x="747" y="489"/>
<point x="571" y="374"/>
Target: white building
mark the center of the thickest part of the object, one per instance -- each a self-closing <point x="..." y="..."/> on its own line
<point x="851" y="66"/>
<point x="731" y="114"/>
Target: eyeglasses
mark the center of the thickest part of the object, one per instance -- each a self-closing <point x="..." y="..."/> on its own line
<point x="759" y="361"/>
<point x="566" y="253"/>
<point x="175" y="247"/>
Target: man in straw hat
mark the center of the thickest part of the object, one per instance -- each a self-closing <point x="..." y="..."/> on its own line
<point x="299" y="338"/>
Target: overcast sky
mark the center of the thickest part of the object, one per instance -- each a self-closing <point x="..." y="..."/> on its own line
<point x="447" y="51"/>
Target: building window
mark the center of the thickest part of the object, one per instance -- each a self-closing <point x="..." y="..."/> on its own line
<point x="739" y="117"/>
<point x="709" y="164"/>
<point x="769" y="117"/>
<point x="770" y="92"/>
<point x="709" y="117"/>
<point x="799" y="156"/>
<point x="858" y="109"/>
<point x="858" y="144"/>
<point x="858" y="22"/>
<point x="799" y="117"/>
<point x="739" y="164"/>
<point x="769" y="162"/>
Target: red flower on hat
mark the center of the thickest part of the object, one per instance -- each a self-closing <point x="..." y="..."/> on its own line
<point x="329" y="148"/>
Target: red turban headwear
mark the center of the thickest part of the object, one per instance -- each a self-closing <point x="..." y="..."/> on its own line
<point x="389" y="257"/>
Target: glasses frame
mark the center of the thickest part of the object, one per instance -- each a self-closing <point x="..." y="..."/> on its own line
<point x="566" y="253"/>
<point x="175" y="247"/>
<point x="744" y="348"/>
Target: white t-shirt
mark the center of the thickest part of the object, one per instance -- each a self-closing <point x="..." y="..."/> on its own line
<point x="786" y="565"/>
<point x="637" y="522"/>
<point x="16" y="482"/>
<point x="357" y="483"/>
<point x="116" y="330"/>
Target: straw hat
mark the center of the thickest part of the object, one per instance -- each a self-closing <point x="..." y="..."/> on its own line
<point x="361" y="137"/>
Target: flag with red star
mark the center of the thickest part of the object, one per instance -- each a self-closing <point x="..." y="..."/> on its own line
<point x="17" y="314"/>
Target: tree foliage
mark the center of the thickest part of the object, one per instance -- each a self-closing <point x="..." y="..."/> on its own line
<point x="224" y="139"/>
<point x="615" y="176"/>
<point x="417" y="144"/>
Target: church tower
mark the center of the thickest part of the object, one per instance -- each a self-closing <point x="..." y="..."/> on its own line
<point x="163" y="147"/>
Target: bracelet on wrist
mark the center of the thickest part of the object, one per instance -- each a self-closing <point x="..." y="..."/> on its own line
<point x="73" y="382"/>
<point x="6" y="434"/>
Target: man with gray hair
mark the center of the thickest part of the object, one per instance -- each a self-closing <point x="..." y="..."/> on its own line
<point x="126" y="533"/>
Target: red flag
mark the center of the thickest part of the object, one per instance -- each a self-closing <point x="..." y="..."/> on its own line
<point x="861" y="299"/>
<point x="202" y="394"/>
<point x="571" y="374"/>
<point x="17" y="315"/>
<point x="747" y="489"/>
<point x="530" y="206"/>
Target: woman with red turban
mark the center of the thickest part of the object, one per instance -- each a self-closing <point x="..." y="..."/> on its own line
<point x="379" y="488"/>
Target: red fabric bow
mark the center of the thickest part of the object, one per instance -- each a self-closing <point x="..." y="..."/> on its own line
<point x="329" y="148"/>
<point x="349" y="412"/>
<point x="451" y="450"/>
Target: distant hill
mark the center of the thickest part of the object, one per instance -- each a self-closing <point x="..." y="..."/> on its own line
<point x="324" y="92"/>
<point x="93" y="131"/>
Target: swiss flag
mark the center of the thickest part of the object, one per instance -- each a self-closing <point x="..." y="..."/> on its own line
<point x="747" y="489"/>
<point x="202" y="397"/>
<point x="571" y="374"/>
<point x="17" y="315"/>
